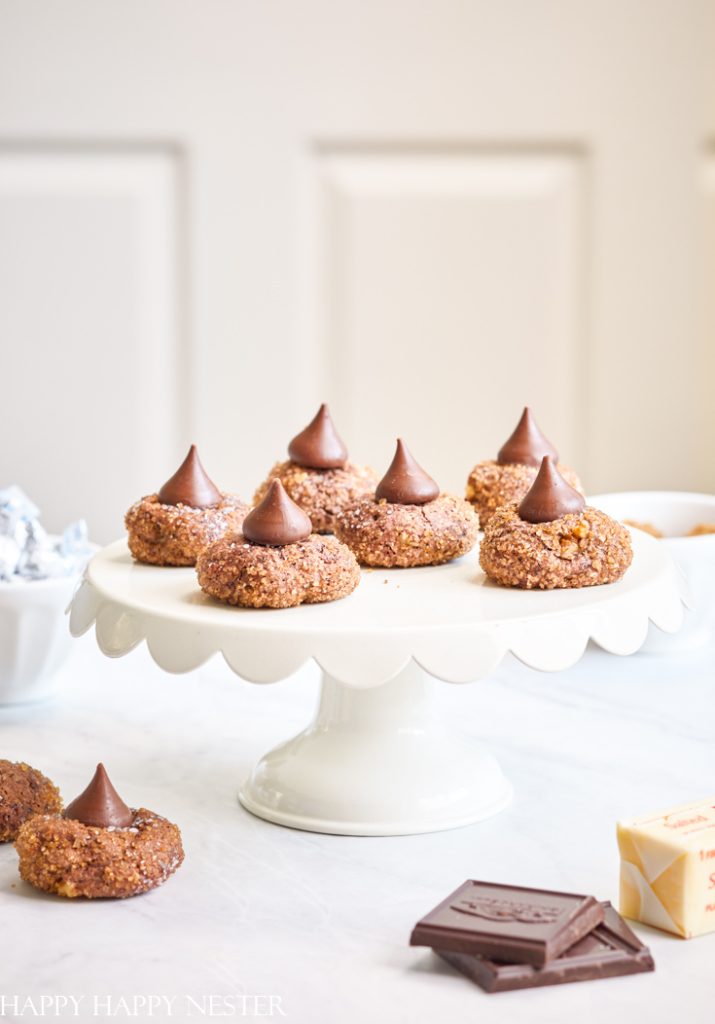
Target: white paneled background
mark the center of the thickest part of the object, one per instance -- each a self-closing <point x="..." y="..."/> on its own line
<point x="92" y="356"/>
<point x="213" y="215"/>
<point x="431" y="266"/>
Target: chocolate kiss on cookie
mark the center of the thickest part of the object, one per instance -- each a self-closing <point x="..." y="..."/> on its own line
<point x="550" y="496"/>
<point x="527" y="445"/>
<point x="319" y="446"/>
<point x="190" y="485"/>
<point x="277" y="520"/>
<point x="405" y="482"/>
<point x="100" y="804"/>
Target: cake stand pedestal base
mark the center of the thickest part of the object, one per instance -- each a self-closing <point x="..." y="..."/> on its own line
<point x="377" y="762"/>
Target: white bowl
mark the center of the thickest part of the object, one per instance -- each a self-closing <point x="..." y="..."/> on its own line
<point x="675" y="513"/>
<point x="34" y="636"/>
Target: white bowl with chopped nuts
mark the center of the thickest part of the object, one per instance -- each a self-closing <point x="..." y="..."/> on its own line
<point x="685" y="522"/>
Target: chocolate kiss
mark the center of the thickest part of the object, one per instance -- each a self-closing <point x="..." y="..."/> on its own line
<point x="277" y="520"/>
<point x="550" y="496"/>
<point x="405" y="482"/>
<point x="319" y="446"/>
<point x="100" y="804"/>
<point x="190" y="485"/>
<point x="527" y="445"/>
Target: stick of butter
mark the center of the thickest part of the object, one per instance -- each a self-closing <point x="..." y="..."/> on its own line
<point x="668" y="868"/>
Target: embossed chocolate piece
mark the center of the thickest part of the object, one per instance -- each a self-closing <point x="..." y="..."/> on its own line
<point x="277" y="520"/>
<point x="405" y="482"/>
<point x="319" y="446"/>
<point x="609" y="951"/>
<point x="502" y="922"/>
<point x="527" y="445"/>
<point x="100" y="804"/>
<point x="550" y="497"/>
<point x="190" y="485"/>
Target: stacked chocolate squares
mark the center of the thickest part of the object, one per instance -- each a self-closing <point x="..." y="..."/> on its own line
<point x="506" y="937"/>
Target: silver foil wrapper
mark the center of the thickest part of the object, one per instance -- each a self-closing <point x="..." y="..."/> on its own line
<point x="27" y="551"/>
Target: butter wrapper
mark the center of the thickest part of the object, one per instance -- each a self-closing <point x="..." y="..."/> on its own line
<point x="668" y="868"/>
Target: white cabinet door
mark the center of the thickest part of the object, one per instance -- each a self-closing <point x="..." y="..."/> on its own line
<point x="214" y="215"/>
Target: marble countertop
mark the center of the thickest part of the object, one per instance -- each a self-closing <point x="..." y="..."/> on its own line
<point x="313" y="928"/>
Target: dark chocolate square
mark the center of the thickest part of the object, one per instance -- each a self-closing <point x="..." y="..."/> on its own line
<point x="505" y="922"/>
<point x="610" y="950"/>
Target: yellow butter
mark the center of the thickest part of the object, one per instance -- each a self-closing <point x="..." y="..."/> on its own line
<point x="668" y="868"/>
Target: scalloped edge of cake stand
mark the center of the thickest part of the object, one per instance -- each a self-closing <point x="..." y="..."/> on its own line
<point x="464" y="653"/>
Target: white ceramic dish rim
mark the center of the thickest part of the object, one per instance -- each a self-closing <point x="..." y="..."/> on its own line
<point x="658" y="500"/>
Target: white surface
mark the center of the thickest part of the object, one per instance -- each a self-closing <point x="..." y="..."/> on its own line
<point x="449" y="618"/>
<point x="377" y="762"/>
<point x="534" y="222"/>
<point x="324" y="921"/>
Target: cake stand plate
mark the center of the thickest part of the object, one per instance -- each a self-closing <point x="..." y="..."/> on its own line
<point x="376" y="760"/>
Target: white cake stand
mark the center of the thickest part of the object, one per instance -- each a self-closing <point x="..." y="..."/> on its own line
<point x="375" y="760"/>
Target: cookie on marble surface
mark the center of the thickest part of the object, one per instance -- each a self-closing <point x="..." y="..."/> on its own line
<point x="24" y="792"/>
<point x="496" y="482"/>
<point x="408" y="523"/>
<point x="553" y="539"/>
<point x="318" y="475"/>
<point x="276" y="561"/>
<point x="99" y="847"/>
<point x="189" y="512"/>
